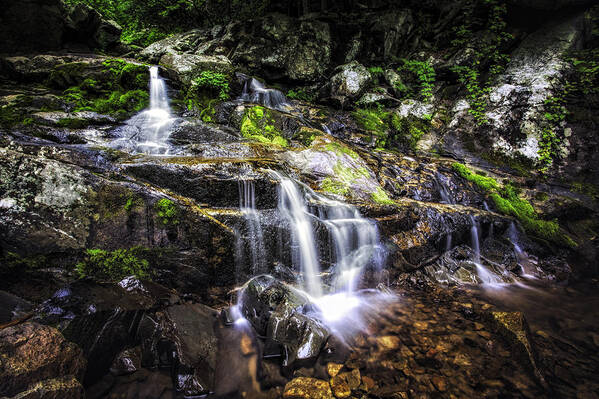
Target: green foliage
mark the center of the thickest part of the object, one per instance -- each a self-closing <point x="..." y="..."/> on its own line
<point x="167" y="212"/>
<point x="487" y="52"/>
<point x="388" y="128"/>
<point x="376" y="73"/>
<point x="424" y="74"/>
<point x="216" y="82"/>
<point x="339" y="149"/>
<point x="258" y="124"/>
<point x="507" y="200"/>
<point x="146" y="21"/>
<point x="113" y="265"/>
<point x="12" y="263"/>
<point x="345" y="175"/>
<point x="120" y="92"/>
<point x="301" y="95"/>
<point x="550" y="141"/>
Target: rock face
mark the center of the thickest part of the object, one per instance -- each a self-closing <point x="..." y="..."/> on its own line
<point x="274" y="46"/>
<point x="307" y="388"/>
<point x="189" y="66"/>
<point x="36" y="358"/>
<point x="32" y="25"/>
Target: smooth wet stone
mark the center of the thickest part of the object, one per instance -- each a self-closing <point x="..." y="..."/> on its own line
<point x="340" y="387"/>
<point x="333" y="369"/>
<point x="388" y="342"/>
<point x="307" y="388"/>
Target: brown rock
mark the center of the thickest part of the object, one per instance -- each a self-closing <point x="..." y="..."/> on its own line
<point x="340" y="387"/>
<point x="440" y="383"/>
<point x="31" y="352"/>
<point x="307" y="388"/>
<point x="333" y="369"/>
<point x="388" y="342"/>
<point x="367" y="383"/>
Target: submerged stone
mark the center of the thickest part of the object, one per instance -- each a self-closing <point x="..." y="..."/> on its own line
<point x="307" y="388"/>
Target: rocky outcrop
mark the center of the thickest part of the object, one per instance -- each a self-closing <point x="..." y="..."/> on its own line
<point x="189" y="66"/>
<point x="36" y="361"/>
<point x="349" y="82"/>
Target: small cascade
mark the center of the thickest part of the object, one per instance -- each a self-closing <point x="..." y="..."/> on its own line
<point x="254" y="237"/>
<point x="446" y="198"/>
<point x="354" y="239"/>
<point x="526" y="263"/>
<point x="254" y="91"/>
<point x="484" y="274"/>
<point x="148" y="131"/>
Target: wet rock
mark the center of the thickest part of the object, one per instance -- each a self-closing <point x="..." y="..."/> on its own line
<point x="37" y="358"/>
<point x="194" y="132"/>
<point x="514" y="328"/>
<point x="126" y="362"/>
<point x="333" y="369"/>
<point x="276" y="310"/>
<point x="75" y="120"/>
<point x="11" y="306"/>
<point x="183" y="338"/>
<point x="189" y="66"/>
<point x="307" y="388"/>
<point x="86" y="25"/>
<point x="101" y="318"/>
<point x="349" y="82"/>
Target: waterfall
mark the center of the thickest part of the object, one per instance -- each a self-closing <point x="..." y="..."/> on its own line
<point x="354" y="239"/>
<point x="148" y="131"/>
<point x="254" y="236"/>
<point x="254" y="91"/>
<point x="484" y="274"/>
<point x="293" y="207"/>
<point x="446" y="198"/>
<point x="524" y="261"/>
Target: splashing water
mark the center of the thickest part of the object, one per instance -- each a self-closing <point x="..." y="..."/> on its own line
<point x="254" y="91"/>
<point x="484" y="274"/>
<point x="148" y="131"/>
<point x="527" y="265"/>
<point x="254" y="236"/>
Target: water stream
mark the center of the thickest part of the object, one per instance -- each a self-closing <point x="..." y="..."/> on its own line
<point x="148" y="131"/>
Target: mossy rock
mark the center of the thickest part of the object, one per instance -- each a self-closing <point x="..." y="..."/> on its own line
<point x="258" y="124"/>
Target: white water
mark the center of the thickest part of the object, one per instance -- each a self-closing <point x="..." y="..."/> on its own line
<point x="354" y="239"/>
<point x="526" y="263"/>
<point x="254" y="91"/>
<point x="484" y="274"/>
<point x="254" y="236"/>
<point x="148" y="131"/>
<point x="446" y="198"/>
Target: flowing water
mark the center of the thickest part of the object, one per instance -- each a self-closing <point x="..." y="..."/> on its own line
<point x="526" y="263"/>
<point x="484" y="274"/>
<point x="254" y="91"/>
<point x="148" y="131"/>
<point x="250" y="245"/>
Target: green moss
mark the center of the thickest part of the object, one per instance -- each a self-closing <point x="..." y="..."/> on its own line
<point x="12" y="263"/>
<point x="113" y="265"/>
<point x="167" y="212"/>
<point x="301" y="95"/>
<point x="120" y="89"/>
<point x="258" y="124"/>
<point x="215" y="82"/>
<point x="507" y="201"/>
<point x="73" y="123"/>
<point x="381" y="197"/>
<point x="334" y="186"/>
<point x="340" y="149"/>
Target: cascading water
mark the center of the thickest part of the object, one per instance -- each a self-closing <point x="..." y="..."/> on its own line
<point x="484" y="274"/>
<point x="446" y="198"/>
<point x="253" y="237"/>
<point x="254" y="91"/>
<point x="148" y="131"/>
<point x="524" y="261"/>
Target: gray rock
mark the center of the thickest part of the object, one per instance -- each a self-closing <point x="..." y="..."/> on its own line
<point x="189" y="66"/>
<point x="349" y="82"/>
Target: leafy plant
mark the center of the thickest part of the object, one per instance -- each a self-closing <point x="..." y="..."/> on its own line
<point x="113" y="265"/>
<point x="424" y="74"/>
<point x="301" y="95"/>
<point x="507" y="200"/>
<point x="216" y="82"/>
<point x="167" y="212"/>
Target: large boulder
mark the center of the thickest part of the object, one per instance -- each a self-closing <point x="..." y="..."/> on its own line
<point x="349" y="82"/>
<point x="36" y="358"/>
<point x="189" y="66"/>
<point x="517" y="102"/>
<point x="86" y="25"/>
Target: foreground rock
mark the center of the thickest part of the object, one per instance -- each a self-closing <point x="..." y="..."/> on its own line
<point x="36" y="361"/>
